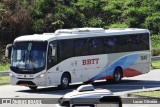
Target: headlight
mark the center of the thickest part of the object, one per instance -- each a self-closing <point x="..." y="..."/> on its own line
<point x="40" y="76"/>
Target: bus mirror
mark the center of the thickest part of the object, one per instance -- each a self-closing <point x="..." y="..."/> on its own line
<point x="8" y="51"/>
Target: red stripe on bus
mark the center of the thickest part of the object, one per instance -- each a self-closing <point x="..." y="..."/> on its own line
<point x="131" y="72"/>
<point x="107" y="77"/>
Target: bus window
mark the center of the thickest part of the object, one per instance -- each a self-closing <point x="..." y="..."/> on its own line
<point x="122" y="43"/>
<point x="96" y="46"/>
<point x="144" y="41"/>
<point x="69" y="48"/>
<point x="51" y="52"/>
<point x="65" y="49"/>
<point x="61" y="50"/>
<point x="109" y="44"/>
<point x="135" y="40"/>
<point x="52" y="55"/>
<point x="80" y="47"/>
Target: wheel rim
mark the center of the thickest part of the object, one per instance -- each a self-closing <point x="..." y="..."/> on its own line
<point x="65" y="81"/>
<point x="117" y="76"/>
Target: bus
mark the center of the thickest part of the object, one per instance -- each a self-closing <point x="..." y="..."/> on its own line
<point x="79" y="55"/>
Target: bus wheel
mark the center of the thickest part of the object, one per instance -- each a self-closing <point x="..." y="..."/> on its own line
<point x="117" y="75"/>
<point x="33" y="87"/>
<point x="65" y="79"/>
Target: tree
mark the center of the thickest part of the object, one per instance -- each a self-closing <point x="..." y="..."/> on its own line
<point x="153" y="22"/>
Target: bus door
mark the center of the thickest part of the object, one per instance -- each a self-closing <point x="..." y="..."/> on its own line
<point x="51" y="62"/>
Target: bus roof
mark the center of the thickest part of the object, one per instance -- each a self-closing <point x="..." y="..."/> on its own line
<point x="80" y="33"/>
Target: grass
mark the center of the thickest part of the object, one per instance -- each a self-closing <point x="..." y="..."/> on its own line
<point x="4" y="67"/>
<point x="149" y="93"/>
<point x="4" y="80"/>
<point x="156" y="64"/>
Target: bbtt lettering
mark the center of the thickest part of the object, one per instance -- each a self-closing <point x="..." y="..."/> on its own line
<point x="90" y="61"/>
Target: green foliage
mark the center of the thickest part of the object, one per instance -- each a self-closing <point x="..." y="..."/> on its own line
<point x="156" y="64"/>
<point x="153" y="22"/>
<point x="155" y="45"/>
<point x="95" y="22"/>
<point x="155" y="94"/>
<point x="4" y="80"/>
<point x="4" y="67"/>
<point x="2" y="11"/>
<point x="155" y="41"/>
<point x="37" y="26"/>
<point x="21" y="17"/>
<point x="117" y="25"/>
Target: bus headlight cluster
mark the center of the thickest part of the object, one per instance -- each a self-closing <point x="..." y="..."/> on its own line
<point x="40" y="76"/>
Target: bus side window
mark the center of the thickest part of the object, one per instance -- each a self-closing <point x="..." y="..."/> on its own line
<point x="135" y="43"/>
<point x="80" y="47"/>
<point x="65" y="49"/>
<point x="49" y="54"/>
<point x="69" y="45"/>
<point x="144" y="38"/>
<point x="122" y="43"/>
<point x="96" y="46"/>
<point x="92" y="46"/>
<point x="109" y="45"/>
<point x="61" y="50"/>
<point x="52" y="54"/>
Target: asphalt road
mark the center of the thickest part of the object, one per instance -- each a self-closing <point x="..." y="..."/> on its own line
<point x="146" y="81"/>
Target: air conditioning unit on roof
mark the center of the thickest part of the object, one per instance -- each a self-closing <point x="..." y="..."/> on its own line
<point x="80" y="30"/>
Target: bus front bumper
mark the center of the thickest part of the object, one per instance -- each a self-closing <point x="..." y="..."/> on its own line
<point x="37" y="81"/>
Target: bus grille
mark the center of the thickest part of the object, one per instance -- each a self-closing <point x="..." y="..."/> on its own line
<point x="30" y="83"/>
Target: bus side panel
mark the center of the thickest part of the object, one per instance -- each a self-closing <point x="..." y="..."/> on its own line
<point x="92" y="65"/>
<point x="53" y="77"/>
<point x="80" y="68"/>
<point x="96" y="67"/>
<point x="84" y="67"/>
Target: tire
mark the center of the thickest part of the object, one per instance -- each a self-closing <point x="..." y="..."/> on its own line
<point x="117" y="77"/>
<point x="33" y="87"/>
<point x="65" y="80"/>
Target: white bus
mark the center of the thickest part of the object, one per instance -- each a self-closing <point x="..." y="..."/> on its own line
<point x="79" y="55"/>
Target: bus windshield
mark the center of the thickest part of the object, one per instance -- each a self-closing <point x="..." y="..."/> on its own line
<point x="29" y="55"/>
